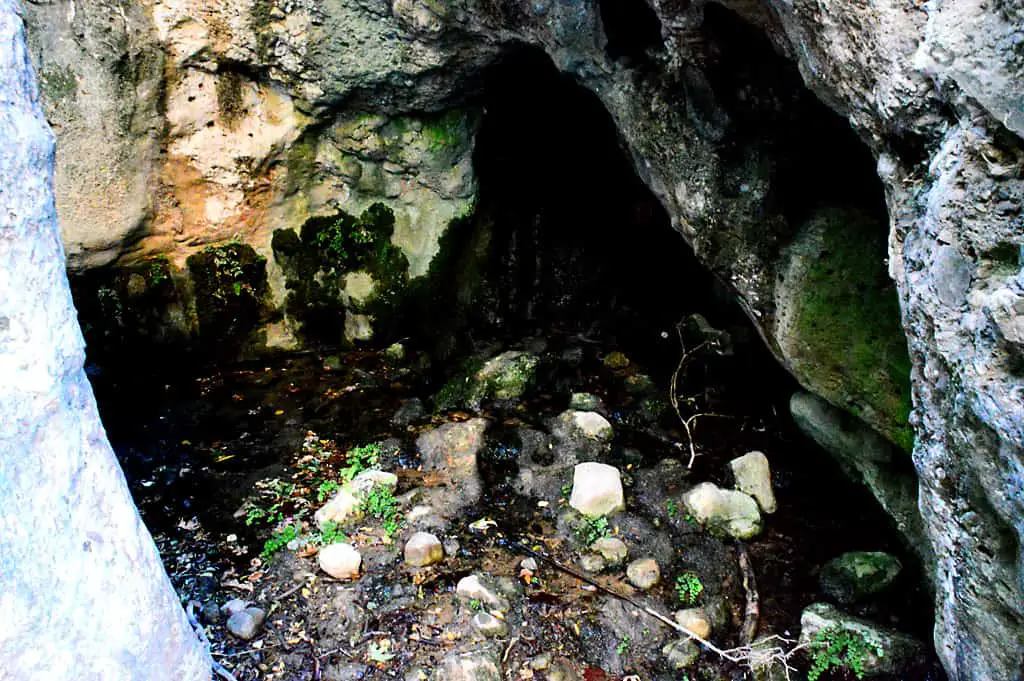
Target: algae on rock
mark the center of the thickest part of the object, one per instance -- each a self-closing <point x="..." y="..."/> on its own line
<point x="838" y="321"/>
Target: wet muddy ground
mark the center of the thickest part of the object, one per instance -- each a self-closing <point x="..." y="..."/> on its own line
<point x="201" y="451"/>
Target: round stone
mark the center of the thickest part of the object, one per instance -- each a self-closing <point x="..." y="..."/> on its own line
<point x="340" y="561"/>
<point x="694" y="620"/>
<point x="423" y="549"/>
<point x="644" y="573"/>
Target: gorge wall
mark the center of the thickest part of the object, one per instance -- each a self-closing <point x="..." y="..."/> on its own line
<point x="245" y="170"/>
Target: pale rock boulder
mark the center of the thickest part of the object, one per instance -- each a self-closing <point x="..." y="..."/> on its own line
<point x="644" y="573"/>
<point x="341" y="561"/>
<point x="423" y="549"/>
<point x="734" y="513"/>
<point x="587" y="424"/>
<point x="612" y="549"/>
<point x="479" y="588"/>
<point x="346" y="502"/>
<point x="694" y="620"/>
<point x="597" y="489"/>
<point x="754" y="477"/>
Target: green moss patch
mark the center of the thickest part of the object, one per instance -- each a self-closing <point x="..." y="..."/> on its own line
<point x="316" y="259"/>
<point x="230" y="288"/>
<point x="851" y="343"/>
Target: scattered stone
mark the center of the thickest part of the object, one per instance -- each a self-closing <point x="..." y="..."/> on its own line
<point x="586" y="424"/>
<point x="529" y="564"/>
<point x="348" y="500"/>
<point x="644" y="573"/>
<point x="889" y="651"/>
<point x="340" y="561"/>
<point x="488" y="625"/>
<point x="639" y="384"/>
<point x="245" y="624"/>
<point x="616" y="360"/>
<point x="235" y="605"/>
<point x="476" y="588"/>
<point x="597" y="489"/>
<point x="209" y="613"/>
<point x="452" y="450"/>
<point x="423" y="549"/>
<point x="694" y="620"/>
<point x="451" y="547"/>
<point x="854" y="576"/>
<point x="395" y="352"/>
<point x="477" y="666"/>
<point x="729" y="511"/>
<point x="352" y="671"/>
<point x="412" y="410"/>
<point x="754" y="477"/>
<point x="591" y="562"/>
<point x="503" y="378"/>
<point x="562" y="670"/>
<point x="612" y="549"/>
<point x="540" y="662"/>
<point x="585" y="402"/>
<point x="681" y="653"/>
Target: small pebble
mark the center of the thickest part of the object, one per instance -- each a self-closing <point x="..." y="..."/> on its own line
<point x="423" y="549"/>
<point x="235" y="605"/>
<point x="591" y="562"/>
<point x="247" y="623"/>
<point x="643" y="573"/>
<point x="540" y="662"/>
<point x="488" y="625"/>
<point x="529" y="564"/>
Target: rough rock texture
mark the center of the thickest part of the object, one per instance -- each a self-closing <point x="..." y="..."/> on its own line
<point x="259" y="110"/>
<point x="72" y="545"/>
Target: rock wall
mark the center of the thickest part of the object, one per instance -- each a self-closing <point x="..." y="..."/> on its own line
<point x="237" y="120"/>
<point x="82" y="589"/>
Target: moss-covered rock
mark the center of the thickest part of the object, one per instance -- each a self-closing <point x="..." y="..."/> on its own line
<point x="128" y="309"/>
<point x="838" y="325"/>
<point x="340" y="265"/>
<point x="503" y="378"/>
<point x="230" y="287"/>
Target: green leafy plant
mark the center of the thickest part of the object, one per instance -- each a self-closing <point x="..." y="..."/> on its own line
<point x="475" y="605"/>
<point x="592" y="529"/>
<point x="330" y="534"/>
<point x="839" y="648"/>
<point x="566" y="490"/>
<point x="326" y="489"/>
<point x="280" y="540"/>
<point x="671" y="508"/>
<point x="360" y="459"/>
<point x="381" y="504"/>
<point x="623" y="645"/>
<point x="688" y="588"/>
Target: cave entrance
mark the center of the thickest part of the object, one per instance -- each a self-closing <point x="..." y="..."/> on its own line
<point x="576" y="242"/>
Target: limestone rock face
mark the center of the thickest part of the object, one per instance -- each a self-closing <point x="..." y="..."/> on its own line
<point x="234" y="119"/>
<point x="73" y="546"/>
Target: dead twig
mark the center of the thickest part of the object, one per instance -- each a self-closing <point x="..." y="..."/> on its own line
<point x="759" y="655"/>
<point x="752" y="612"/>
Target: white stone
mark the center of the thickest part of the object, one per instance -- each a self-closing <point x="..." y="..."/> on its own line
<point x="754" y="477"/>
<point x="729" y="511"/>
<point x="597" y="489"/>
<point x="473" y="588"/>
<point x="612" y="549"/>
<point x="423" y="549"/>
<point x="589" y="424"/>
<point x="694" y="620"/>
<point x="341" y="561"/>
<point x="644" y="573"/>
<point x="347" y="501"/>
